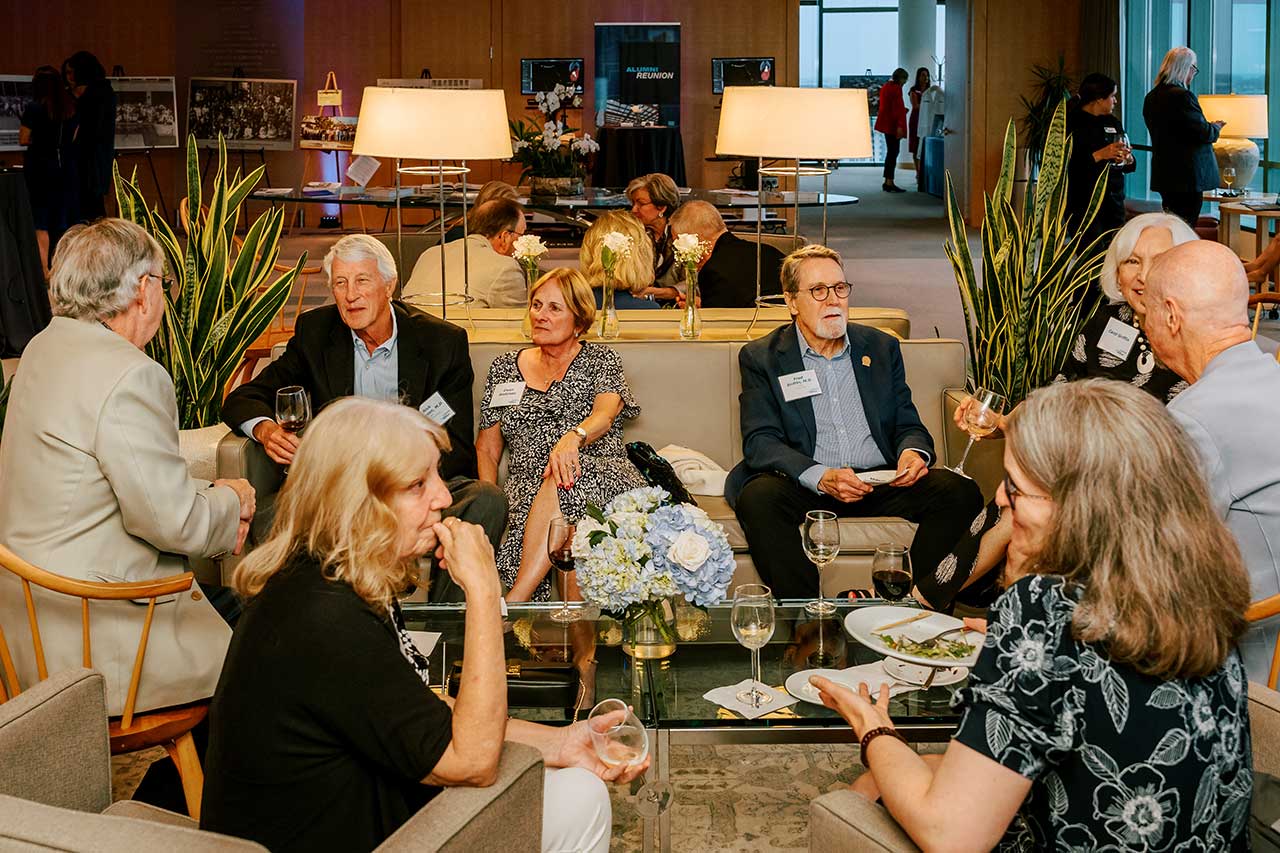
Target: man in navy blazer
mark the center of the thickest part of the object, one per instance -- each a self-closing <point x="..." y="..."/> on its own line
<point x="823" y="399"/>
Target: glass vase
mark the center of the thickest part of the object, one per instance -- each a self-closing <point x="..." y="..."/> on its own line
<point x="530" y="278"/>
<point x="648" y="630"/>
<point x="608" y="313"/>
<point x="691" y="318"/>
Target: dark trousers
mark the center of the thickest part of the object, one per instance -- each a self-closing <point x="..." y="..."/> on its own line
<point x="892" y="145"/>
<point x="772" y="507"/>
<point x="1185" y="206"/>
<point x="478" y="503"/>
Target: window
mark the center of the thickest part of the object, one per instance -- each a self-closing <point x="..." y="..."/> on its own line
<point x="858" y="43"/>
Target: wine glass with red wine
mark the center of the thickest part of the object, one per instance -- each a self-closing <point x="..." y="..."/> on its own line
<point x="293" y="408"/>
<point x="891" y="572"/>
<point x="560" y="550"/>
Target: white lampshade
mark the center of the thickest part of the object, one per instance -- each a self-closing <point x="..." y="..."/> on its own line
<point x="1245" y="115"/>
<point x="793" y="123"/>
<point x="433" y="124"/>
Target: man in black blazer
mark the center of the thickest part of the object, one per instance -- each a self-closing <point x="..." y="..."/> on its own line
<point x="727" y="274"/>
<point x="823" y="399"/>
<point x="1182" y="161"/>
<point x="368" y="345"/>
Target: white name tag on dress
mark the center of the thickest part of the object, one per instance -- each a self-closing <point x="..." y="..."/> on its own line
<point x="797" y="386"/>
<point x="1117" y="338"/>
<point x="436" y="409"/>
<point x="506" y="394"/>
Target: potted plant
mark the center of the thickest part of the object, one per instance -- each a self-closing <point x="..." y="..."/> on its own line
<point x="225" y="295"/>
<point x="552" y="158"/>
<point x="1050" y="87"/>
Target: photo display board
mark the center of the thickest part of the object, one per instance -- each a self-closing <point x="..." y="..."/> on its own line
<point x="741" y="71"/>
<point x="250" y="113"/>
<point x="637" y="74"/>
<point x="15" y="94"/>
<point x="146" y="112"/>
<point x="542" y="75"/>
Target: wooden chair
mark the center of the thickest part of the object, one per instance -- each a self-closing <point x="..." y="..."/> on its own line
<point x="1259" y="302"/>
<point x="1265" y="609"/>
<point x="167" y="727"/>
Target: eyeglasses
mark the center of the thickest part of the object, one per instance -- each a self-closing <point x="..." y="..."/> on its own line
<point x="167" y="283"/>
<point x="1014" y="493"/>
<point x="1195" y="69"/>
<point x="819" y="292"/>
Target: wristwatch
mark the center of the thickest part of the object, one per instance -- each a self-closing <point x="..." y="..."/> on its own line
<point x="582" y="433"/>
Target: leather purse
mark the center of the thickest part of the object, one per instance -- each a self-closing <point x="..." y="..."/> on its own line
<point x="532" y="684"/>
<point x="658" y="471"/>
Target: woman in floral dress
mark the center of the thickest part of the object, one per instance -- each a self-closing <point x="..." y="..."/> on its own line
<point x="1108" y="709"/>
<point x="557" y="408"/>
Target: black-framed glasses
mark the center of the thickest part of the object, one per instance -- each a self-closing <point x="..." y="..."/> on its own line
<point x="1014" y="493"/>
<point x="165" y="281"/>
<point x="819" y="292"/>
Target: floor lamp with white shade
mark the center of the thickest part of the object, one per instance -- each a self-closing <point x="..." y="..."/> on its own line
<point x="787" y="123"/>
<point x="440" y="125"/>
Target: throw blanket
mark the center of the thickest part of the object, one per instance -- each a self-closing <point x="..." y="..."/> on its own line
<point x="699" y="473"/>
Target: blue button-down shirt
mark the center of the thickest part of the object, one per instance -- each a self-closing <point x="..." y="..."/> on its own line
<point x="378" y="373"/>
<point x="844" y="436"/>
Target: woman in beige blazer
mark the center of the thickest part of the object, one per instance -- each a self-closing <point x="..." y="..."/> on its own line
<point x="92" y="486"/>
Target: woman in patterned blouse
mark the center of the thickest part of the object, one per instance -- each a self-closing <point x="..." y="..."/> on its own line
<point x="1108" y="707"/>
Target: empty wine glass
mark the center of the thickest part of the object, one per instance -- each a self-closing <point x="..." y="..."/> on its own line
<point x="752" y="622"/>
<point x="1123" y="139"/>
<point x="980" y="420"/>
<point x="619" y="738"/>
<point x="820" y="536"/>
<point x="560" y="550"/>
<point x="891" y="572"/>
<point x="1229" y="179"/>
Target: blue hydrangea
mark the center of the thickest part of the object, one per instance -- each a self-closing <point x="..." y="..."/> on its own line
<point x="703" y="584"/>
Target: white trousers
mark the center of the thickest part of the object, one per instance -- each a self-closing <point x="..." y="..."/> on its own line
<point x="576" y="814"/>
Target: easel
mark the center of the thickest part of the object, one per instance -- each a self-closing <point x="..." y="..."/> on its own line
<point x="118" y="71"/>
<point x="329" y="97"/>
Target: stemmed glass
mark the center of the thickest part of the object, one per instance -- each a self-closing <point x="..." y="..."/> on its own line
<point x="752" y="622"/>
<point x="626" y="743"/>
<point x="820" y="536"/>
<point x="1123" y="139"/>
<point x="560" y="550"/>
<point x="1229" y="178"/>
<point x="891" y="572"/>
<point x="293" y="408"/>
<point x="980" y="420"/>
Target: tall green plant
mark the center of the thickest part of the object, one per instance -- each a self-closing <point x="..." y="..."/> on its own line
<point x="1051" y="86"/>
<point x="1024" y="314"/>
<point x="225" y="297"/>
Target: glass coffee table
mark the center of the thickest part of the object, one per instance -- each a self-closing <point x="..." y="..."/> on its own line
<point x="667" y="693"/>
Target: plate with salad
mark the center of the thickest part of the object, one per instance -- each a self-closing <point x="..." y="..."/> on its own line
<point x="911" y="634"/>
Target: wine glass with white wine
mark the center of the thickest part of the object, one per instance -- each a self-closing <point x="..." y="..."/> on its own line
<point x="1229" y="180"/>
<point x="981" y="418"/>
<point x="752" y="622"/>
<point x="619" y="738"/>
<point x="820" y="537"/>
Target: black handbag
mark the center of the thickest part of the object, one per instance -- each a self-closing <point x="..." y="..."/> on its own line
<point x="658" y="471"/>
<point x="532" y="684"/>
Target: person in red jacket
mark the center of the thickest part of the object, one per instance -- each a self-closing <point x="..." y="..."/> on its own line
<point x="892" y="122"/>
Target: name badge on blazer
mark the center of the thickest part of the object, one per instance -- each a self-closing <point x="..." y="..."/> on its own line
<point x="797" y="386"/>
<point x="506" y="394"/>
<point x="436" y="409"/>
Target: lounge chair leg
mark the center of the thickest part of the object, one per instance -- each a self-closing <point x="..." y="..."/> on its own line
<point x="183" y="752"/>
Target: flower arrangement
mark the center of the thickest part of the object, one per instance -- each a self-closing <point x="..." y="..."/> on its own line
<point x="689" y="250"/>
<point x="642" y="549"/>
<point x="527" y="251"/>
<point x="552" y="151"/>
<point x="617" y="247"/>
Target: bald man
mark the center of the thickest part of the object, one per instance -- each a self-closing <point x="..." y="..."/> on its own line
<point x="1197" y="322"/>
<point x="727" y="274"/>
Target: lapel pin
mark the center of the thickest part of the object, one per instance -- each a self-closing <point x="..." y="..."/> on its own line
<point x="866" y="361"/>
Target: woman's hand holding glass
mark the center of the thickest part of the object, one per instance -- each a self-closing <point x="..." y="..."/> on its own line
<point x="962" y="412"/>
<point x="565" y="463"/>
<point x="577" y="746"/>
<point x="859" y="710"/>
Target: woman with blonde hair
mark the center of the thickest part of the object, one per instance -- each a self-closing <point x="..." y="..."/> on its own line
<point x="325" y="733"/>
<point x="1108" y="707"/>
<point x="1182" y="161"/>
<point x="561" y="427"/>
<point x="633" y="275"/>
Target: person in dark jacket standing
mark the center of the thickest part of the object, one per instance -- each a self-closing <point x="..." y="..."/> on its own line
<point x="891" y="120"/>
<point x="1182" y="162"/>
<point x="1097" y="146"/>
<point x="96" y="137"/>
<point x="48" y="129"/>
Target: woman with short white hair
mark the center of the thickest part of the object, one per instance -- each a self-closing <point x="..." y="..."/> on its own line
<point x="1182" y="161"/>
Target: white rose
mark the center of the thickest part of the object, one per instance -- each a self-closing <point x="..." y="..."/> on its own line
<point x="618" y="243"/>
<point x="528" y="246"/>
<point x="687" y="242"/>
<point x="689" y="551"/>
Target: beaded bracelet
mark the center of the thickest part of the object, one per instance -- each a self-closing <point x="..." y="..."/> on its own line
<point x="875" y="733"/>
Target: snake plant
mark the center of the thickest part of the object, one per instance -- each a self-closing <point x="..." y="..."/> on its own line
<point x="1037" y="285"/>
<point x="5" y="388"/>
<point x="225" y="296"/>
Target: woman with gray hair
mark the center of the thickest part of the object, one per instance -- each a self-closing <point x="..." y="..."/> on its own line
<point x="654" y="198"/>
<point x="1182" y="161"/>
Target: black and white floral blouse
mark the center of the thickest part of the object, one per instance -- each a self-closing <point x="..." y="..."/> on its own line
<point x="1140" y="367"/>
<point x="1118" y="761"/>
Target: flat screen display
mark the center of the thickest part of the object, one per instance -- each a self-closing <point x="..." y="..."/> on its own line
<point x="741" y="71"/>
<point x="542" y="75"/>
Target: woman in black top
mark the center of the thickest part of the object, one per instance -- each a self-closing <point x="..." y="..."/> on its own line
<point x="1182" y="161"/>
<point x="324" y="733"/>
<point x="48" y="129"/>
<point x="1096" y="147"/>
<point x="96" y="137"/>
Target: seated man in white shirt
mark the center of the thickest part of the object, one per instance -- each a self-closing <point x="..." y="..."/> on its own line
<point x="480" y="266"/>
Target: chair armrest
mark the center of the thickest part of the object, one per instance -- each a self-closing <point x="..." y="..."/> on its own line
<point x="53" y="742"/>
<point x="244" y="458"/>
<point x="474" y="819"/>
<point x="843" y="820"/>
<point x="1264" y="724"/>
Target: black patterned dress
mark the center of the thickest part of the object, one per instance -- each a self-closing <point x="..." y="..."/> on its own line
<point x="533" y="426"/>
<point x="1140" y="367"/>
<point x="1117" y="760"/>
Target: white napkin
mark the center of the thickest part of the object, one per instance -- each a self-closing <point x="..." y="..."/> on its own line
<point x="699" y="472"/>
<point x="726" y="697"/>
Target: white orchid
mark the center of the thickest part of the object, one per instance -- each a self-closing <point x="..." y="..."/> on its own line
<point x="517" y="144"/>
<point x="689" y="249"/>
<point x="585" y="145"/>
<point x="553" y="102"/>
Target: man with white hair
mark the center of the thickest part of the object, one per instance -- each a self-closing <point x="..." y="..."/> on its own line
<point x="1197" y="322"/>
<point x="727" y="273"/>
<point x="368" y="345"/>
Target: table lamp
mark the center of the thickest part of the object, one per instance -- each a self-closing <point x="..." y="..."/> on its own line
<point x="433" y="124"/>
<point x="788" y="123"/>
<point x="1246" y="120"/>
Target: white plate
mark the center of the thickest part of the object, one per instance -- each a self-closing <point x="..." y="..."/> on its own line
<point x="798" y="683"/>
<point x="910" y="673"/>
<point x="878" y="478"/>
<point x="863" y="622"/>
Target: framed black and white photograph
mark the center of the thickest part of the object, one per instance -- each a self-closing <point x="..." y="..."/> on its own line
<point x="15" y="94"/>
<point x="146" y="112"/>
<point x="250" y="114"/>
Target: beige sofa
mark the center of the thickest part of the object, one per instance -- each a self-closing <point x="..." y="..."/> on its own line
<point x="688" y="393"/>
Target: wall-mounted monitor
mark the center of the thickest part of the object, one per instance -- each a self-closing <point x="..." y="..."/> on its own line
<point x="741" y="71"/>
<point x="542" y="75"/>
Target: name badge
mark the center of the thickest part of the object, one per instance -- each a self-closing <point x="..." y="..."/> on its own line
<point x="436" y="409"/>
<point x="1117" y="338"/>
<point x="506" y="394"/>
<point x="797" y="386"/>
